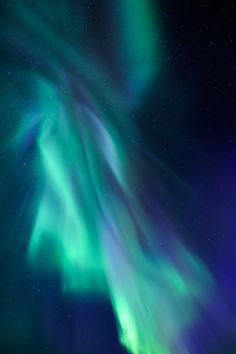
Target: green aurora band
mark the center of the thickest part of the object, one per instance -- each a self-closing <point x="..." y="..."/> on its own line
<point x="90" y="225"/>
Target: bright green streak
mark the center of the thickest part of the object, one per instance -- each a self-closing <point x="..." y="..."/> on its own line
<point x="89" y="222"/>
<point x="85" y="229"/>
<point x="63" y="215"/>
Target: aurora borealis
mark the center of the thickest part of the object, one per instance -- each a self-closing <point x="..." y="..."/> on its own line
<point x="103" y="218"/>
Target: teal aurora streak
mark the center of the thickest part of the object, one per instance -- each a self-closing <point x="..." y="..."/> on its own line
<point x="90" y="225"/>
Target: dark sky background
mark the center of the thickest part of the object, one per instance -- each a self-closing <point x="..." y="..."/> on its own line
<point x="188" y="120"/>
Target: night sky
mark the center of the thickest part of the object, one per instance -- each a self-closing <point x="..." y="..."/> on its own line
<point x="154" y="108"/>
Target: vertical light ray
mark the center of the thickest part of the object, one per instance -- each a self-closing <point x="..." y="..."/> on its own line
<point x="91" y="225"/>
